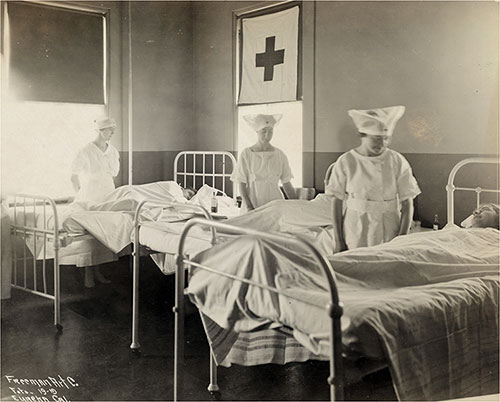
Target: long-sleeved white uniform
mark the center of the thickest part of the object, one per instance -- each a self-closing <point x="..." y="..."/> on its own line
<point x="96" y="170"/>
<point x="262" y="172"/>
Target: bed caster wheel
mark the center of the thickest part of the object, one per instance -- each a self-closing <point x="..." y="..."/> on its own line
<point x="135" y="352"/>
<point x="215" y="396"/>
<point x="59" y="328"/>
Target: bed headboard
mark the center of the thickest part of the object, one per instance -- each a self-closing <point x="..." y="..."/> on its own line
<point x="196" y="168"/>
<point x="451" y="188"/>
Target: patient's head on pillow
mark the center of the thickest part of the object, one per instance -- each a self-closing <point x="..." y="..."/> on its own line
<point x="188" y="192"/>
<point x="486" y="216"/>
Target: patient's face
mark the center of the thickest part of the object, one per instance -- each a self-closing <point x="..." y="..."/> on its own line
<point x="485" y="217"/>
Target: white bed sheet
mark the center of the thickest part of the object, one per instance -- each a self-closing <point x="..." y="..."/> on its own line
<point x="430" y="299"/>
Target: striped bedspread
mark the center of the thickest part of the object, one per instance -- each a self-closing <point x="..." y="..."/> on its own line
<point x="427" y="303"/>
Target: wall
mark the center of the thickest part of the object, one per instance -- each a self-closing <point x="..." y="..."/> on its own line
<point x="439" y="59"/>
<point x="162" y="92"/>
<point x="213" y="73"/>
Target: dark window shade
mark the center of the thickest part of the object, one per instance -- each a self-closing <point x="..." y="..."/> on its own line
<point x="56" y="54"/>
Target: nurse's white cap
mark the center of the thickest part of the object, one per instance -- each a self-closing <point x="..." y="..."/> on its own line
<point x="259" y="121"/>
<point x="104" y="122"/>
<point x="380" y="121"/>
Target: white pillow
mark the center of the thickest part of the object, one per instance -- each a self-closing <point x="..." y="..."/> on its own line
<point x="467" y="222"/>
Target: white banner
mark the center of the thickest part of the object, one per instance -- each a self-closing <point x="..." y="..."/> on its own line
<point x="269" y="57"/>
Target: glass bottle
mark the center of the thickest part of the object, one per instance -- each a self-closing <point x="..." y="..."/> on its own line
<point x="435" y="223"/>
<point x="214" y="204"/>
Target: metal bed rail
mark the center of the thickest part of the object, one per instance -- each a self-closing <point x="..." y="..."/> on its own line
<point x="219" y="168"/>
<point x="135" y="345"/>
<point x="451" y="188"/>
<point x="41" y="236"/>
<point x="333" y="309"/>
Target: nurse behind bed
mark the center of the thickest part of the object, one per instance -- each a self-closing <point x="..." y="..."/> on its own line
<point x="93" y="170"/>
<point x="262" y="166"/>
<point x="372" y="186"/>
<point x="96" y="164"/>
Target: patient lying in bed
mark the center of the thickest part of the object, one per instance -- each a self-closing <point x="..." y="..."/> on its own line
<point x="111" y="221"/>
<point x="485" y="216"/>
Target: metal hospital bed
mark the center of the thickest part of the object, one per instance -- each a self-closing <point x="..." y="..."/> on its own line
<point x="41" y="245"/>
<point x="191" y="169"/>
<point x="165" y="232"/>
<point x="334" y="308"/>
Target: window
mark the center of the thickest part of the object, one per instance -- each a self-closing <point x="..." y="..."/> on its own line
<point x="288" y="133"/>
<point x="46" y="114"/>
<point x="55" y="54"/>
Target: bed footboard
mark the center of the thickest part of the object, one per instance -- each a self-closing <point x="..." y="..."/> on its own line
<point x="334" y="308"/>
<point x="31" y="231"/>
<point x="135" y="345"/>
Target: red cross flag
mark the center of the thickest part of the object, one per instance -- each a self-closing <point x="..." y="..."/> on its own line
<point x="269" y="57"/>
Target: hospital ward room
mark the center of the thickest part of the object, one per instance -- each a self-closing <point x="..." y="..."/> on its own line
<point x="250" y="200"/>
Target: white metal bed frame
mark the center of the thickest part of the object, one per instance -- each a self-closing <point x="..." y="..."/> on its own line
<point x="20" y="230"/>
<point x="180" y="175"/>
<point x="334" y="308"/>
<point x="224" y="157"/>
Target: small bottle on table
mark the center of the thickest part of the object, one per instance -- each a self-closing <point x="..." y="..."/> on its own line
<point x="435" y="223"/>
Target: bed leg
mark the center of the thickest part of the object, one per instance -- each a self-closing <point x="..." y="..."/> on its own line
<point x="336" y="378"/>
<point x="213" y="386"/>
<point x="134" y="346"/>
<point x="179" y="330"/>
<point x="57" y="288"/>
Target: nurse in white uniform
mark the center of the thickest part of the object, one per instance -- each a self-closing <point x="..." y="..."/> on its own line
<point x="262" y="166"/>
<point x="96" y="164"/>
<point x="372" y="186"/>
<point x="93" y="171"/>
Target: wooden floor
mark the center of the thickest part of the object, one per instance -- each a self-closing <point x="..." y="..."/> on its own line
<point x="90" y="360"/>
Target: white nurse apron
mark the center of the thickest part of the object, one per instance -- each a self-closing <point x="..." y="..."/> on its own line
<point x="368" y="223"/>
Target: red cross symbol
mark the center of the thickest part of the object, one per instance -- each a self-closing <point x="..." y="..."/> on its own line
<point x="270" y="58"/>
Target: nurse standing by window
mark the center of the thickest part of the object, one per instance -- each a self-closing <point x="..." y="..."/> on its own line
<point x="93" y="171"/>
<point x="96" y="164"/>
<point x="372" y="186"/>
<point x="262" y="166"/>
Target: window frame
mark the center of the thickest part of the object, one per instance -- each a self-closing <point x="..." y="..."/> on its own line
<point x="255" y="11"/>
